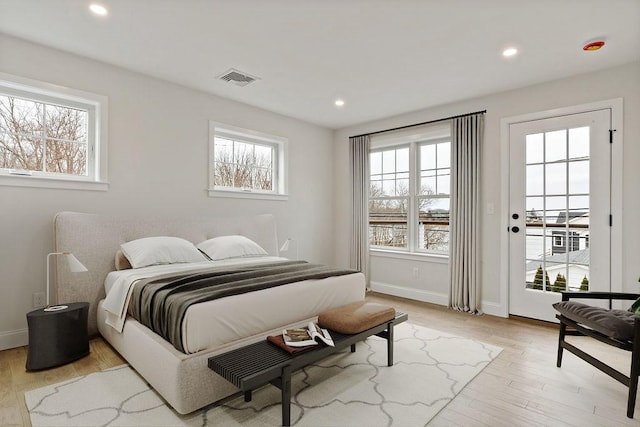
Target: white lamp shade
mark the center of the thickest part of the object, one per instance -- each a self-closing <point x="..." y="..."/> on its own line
<point x="75" y="266"/>
<point x="287" y="243"/>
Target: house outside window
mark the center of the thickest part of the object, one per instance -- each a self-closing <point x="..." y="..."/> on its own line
<point x="410" y="191"/>
<point x="247" y="164"/>
<point x="51" y="136"/>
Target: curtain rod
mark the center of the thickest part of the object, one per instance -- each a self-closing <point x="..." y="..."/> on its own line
<point x="420" y="124"/>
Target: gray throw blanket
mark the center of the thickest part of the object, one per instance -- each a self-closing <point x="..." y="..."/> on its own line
<point x="160" y="303"/>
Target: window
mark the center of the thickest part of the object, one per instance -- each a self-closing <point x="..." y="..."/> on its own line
<point x="245" y="163"/>
<point x="410" y="191"/>
<point x="558" y="240"/>
<point x="51" y="136"/>
<point x="389" y="197"/>
<point x="35" y="136"/>
<point x="433" y="196"/>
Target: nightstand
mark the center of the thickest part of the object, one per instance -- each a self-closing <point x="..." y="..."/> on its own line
<point x="57" y="337"/>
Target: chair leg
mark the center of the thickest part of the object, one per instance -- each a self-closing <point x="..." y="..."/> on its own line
<point x="635" y="371"/>
<point x="563" y="330"/>
<point x="633" y="390"/>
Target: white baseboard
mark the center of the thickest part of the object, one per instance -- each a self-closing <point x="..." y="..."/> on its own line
<point x="416" y="294"/>
<point x="12" y="339"/>
<point x="491" y="308"/>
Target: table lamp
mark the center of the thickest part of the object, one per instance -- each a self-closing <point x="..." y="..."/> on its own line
<point x="285" y="246"/>
<point x="75" y="266"/>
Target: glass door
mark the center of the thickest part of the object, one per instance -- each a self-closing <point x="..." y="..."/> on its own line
<point x="560" y="206"/>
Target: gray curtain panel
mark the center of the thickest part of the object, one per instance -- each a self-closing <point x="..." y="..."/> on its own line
<point x="464" y="263"/>
<point x="359" y="247"/>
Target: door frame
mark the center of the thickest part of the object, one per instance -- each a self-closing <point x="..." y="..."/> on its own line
<point x="616" y="188"/>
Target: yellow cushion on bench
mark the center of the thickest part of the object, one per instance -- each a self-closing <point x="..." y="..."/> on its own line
<point x="356" y="317"/>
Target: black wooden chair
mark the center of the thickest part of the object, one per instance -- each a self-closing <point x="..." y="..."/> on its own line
<point x="619" y="328"/>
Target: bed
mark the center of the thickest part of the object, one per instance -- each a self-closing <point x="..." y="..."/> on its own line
<point x="182" y="378"/>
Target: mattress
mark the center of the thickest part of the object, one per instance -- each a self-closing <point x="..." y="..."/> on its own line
<point x="216" y="323"/>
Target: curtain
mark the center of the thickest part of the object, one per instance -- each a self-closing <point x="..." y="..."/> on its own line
<point x="359" y="245"/>
<point x="464" y="262"/>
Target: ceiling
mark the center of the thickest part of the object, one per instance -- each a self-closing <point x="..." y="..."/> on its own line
<point x="382" y="57"/>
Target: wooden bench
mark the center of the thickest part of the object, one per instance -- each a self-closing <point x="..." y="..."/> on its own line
<point x="260" y="363"/>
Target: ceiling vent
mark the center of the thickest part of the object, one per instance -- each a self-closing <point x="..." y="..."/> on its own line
<point x="237" y="77"/>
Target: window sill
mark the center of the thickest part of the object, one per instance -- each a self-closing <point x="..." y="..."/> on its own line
<point x="247" y="195"/>
<point x="56" y="183"/>
<point x="413" y="256"/>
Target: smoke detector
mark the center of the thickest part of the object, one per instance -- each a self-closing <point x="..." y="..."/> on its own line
<point x="237" y="77"/>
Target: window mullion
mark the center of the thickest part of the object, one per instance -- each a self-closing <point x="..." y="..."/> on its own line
<point x="44" y="138"/>
<point x="274" y="169"/>
<point x="412" y="214"/>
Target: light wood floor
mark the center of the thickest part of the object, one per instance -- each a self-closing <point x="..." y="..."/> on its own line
<point x="521" y="387"/>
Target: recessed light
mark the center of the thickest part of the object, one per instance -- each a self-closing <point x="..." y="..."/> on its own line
<point x="594" y="45"/>
<point x="510" y="51"/>
<point x="339" y="103"/>
<point x="98" y="9"/>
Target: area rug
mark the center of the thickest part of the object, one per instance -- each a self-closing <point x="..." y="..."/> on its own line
<point x="358" y="389"/>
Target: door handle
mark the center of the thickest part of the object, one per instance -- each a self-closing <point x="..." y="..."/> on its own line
<point x="515" y="229"/>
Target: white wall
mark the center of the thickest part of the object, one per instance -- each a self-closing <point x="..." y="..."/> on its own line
<point x="432" y="284"/>
<point x="158" y="150"/>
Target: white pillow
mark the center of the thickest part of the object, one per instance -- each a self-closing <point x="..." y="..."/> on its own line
<point x="160" y="250"/>
<point x="225" y="247"/>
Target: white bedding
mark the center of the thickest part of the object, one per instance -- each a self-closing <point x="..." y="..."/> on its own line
<point x="218" y="322"/>
<point x="119" y="284"/>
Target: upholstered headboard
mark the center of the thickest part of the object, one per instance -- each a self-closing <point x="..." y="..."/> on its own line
<point x="94" y="240"/>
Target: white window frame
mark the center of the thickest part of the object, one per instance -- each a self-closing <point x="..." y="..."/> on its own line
<point x="558" y="240"/>
<point x="413" y="138"/>
<point x="432" y="141"/>
<point x="97" y="108"/>
<point x="280" y="160"/>
<point x="409" y="197"/>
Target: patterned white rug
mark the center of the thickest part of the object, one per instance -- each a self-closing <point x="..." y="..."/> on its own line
<point x="347" y="388"/>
